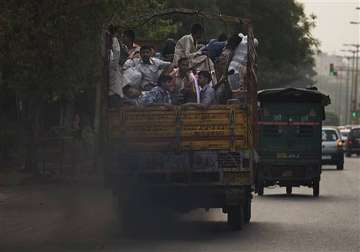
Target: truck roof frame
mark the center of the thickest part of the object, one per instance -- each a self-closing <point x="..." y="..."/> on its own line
<point x="146" y="18"/>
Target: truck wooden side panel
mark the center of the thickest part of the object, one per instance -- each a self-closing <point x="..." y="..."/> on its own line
<point x="160" y="128"/>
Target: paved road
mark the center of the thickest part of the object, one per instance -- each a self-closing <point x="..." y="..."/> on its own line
<point x="54" y="218"/>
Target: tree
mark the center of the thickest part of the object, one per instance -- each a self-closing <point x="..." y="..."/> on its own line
<point x="50" y="51"/>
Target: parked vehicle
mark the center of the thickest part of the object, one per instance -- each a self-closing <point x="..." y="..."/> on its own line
<point x="184" y="157"/>
<point x="332" y="148"/>
<point x="344" y="132"/>
<point x="290" y="121"/>
<point x="353" y="142"/>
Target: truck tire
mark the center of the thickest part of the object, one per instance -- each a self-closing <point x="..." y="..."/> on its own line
<point x="247" y="211"/>
<point x="348" y="154"/>
<point x="288" y="190"/>
<point x="340" y="166"/>
<point x="235" y="217"/>
<point x="261" y="189"/>
<point x="316" y="187"/>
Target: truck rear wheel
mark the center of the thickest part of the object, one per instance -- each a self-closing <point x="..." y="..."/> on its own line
<point x="235" y="217"/>
<point x="260" y="189"/>
<point x="316" y="187"/>
<point x="247" y="211"/>
<point x="340" y="166"/>
<point x="288" y="190"/>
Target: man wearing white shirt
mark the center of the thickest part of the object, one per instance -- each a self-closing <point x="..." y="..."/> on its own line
<point x="187" y="46"/>
<point x="149" y="67"/>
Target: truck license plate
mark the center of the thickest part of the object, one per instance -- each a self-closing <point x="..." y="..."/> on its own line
<point x="325" y="157"/>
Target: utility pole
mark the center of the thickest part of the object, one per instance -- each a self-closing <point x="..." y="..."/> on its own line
<point x="340" y="93"/>
<point x="349" y="85"/>
<point x="356" y="80"/>
<point x="356" y="76"/>
<point x="347" y="95"/>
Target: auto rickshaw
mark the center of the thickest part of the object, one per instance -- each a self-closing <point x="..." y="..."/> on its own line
<point x="289" y="144"/>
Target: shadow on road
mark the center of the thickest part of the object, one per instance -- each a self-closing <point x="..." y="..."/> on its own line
<point x="301" y="197"/>
<point x="330" y="169"/>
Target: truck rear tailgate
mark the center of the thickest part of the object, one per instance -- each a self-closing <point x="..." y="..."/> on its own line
<point x="176" y="128"/>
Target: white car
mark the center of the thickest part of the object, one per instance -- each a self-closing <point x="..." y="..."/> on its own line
<point x="344" y="133"/>
<point x="332" y="148"/>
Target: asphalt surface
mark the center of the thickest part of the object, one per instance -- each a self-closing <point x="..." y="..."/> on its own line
<point x="68" y="218"/>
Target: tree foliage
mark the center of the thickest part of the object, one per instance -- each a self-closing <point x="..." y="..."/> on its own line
<point x="286" y="44"/>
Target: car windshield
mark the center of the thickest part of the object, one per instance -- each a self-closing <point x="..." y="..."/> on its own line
<point x="329" y="136"/>
<point x="355" y="133"/>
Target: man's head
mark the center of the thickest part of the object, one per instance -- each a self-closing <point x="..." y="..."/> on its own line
<point x="111" y="29"/>
<point x="184" y="65"/>
<point x="234" y="41"/>
<point x="222" y="37"/>
<point x="197" y="31"/>
<point x="129" y="37"/>
<point x="204" y="78"/>
<point x="146" y="53"/>
<point x="165" y="81"/>
<point x="131" y="92"/>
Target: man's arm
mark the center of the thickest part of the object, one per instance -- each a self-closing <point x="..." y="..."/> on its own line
<point x="115" y="54"/>
<point x="161" y="63"/>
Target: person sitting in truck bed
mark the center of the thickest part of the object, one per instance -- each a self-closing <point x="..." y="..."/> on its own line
<point x="149" y="67"/>
<point x="131" y="96"/>
<point x="161" y="94"/>
<point x="187" y="89"/>
<point x="207" y="93"/>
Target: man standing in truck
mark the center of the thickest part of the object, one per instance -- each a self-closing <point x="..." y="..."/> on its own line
<point x="187" y="46"/>
<point x="115" y="83"/>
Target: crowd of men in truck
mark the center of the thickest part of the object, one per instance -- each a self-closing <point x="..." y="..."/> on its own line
<point x="184" y="72"/>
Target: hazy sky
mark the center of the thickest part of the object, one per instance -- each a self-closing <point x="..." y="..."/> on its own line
<point x="333" y="22"/>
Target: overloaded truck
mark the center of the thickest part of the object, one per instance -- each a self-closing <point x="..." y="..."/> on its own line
<point x="185" y="157"/>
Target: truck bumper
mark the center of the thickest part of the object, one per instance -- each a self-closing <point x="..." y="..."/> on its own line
<point x="289" y="174"/>
<point x="187" y="197"/>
